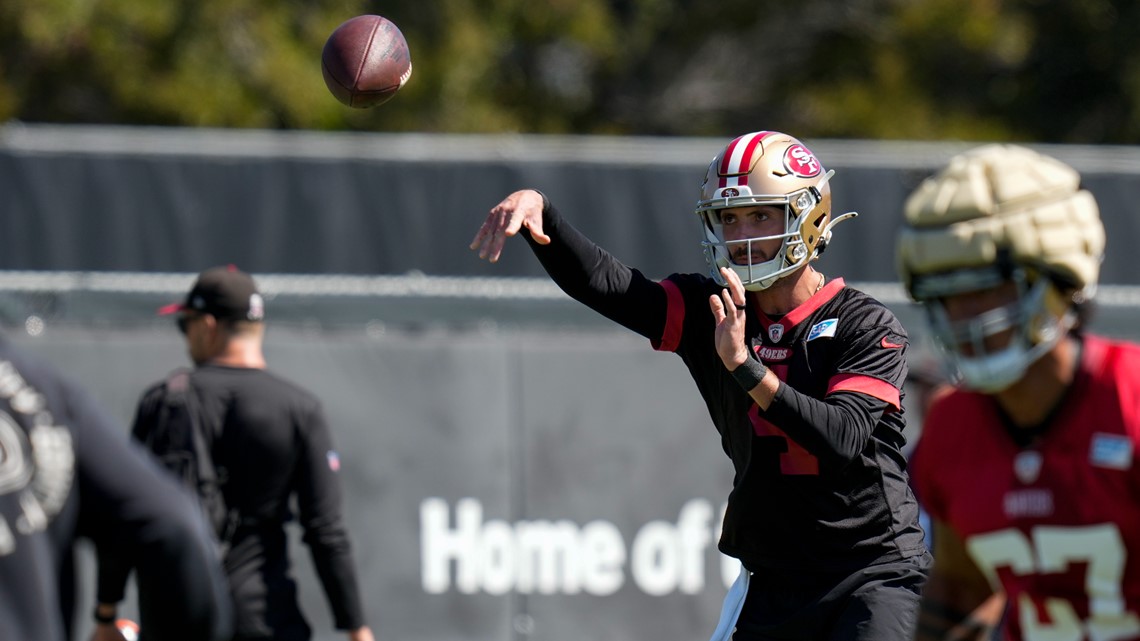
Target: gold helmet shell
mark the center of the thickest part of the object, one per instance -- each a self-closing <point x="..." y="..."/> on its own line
<point x="994" y="215"/>
<point x="1000" y="201"/>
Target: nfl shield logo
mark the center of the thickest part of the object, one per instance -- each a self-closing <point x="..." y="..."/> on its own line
<point x="1027" y="466"/>
<point x="776" y="332"/>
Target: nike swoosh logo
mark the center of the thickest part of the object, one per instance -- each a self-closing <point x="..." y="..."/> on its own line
<point x="889" y="345"/>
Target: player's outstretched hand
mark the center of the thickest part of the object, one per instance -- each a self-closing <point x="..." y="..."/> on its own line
<point x="728" y="310"/>
<point x="520" y="209"/>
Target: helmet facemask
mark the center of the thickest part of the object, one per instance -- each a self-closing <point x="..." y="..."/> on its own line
<point x="1035" y="320"/>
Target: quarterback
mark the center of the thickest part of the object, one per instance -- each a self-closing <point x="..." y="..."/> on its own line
<point x="1028" y="469"/>
<point x="802" y="377"/>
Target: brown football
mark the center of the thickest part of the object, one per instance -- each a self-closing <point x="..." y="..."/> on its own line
<point x="365" y="61"/>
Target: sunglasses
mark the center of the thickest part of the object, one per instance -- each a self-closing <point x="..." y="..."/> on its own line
<point x="183" y="321"/>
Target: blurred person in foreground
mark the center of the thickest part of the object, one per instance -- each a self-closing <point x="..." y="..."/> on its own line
<point x="270" y="442"/>
<point x="66" y="471"/>
<point x="802" y="377"/>
<point x="1028" y="468"/>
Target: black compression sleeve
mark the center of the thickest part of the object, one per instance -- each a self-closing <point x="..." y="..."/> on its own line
<point x="592" y="276"/>
<point x="835" y="429"/>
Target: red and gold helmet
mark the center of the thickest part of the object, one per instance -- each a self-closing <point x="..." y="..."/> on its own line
<point x="767" y="168"/>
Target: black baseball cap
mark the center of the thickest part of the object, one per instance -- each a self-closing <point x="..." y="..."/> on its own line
<point x="226" y="293"/>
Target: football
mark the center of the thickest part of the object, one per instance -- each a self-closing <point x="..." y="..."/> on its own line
<point x="365" y="61"/>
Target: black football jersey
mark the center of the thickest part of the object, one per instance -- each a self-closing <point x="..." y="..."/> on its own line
<point x="791" y="506"/>
<point x="824" y="486"/>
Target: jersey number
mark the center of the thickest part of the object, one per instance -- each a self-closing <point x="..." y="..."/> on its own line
<point x="795" y="460"/>
<point x="1053" y="550"/>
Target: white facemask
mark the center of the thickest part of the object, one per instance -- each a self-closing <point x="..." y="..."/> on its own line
<point x="995" y="371"/>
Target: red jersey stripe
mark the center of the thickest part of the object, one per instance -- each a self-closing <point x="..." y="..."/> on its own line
<point x="868" y="385"/>
<point x="674" y="318"/>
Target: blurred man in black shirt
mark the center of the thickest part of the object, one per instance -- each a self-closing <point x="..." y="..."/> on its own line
<point x="271" y="440"/>
<point x="67" y="471"/>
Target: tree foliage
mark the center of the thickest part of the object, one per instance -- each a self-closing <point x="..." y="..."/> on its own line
<point x="1045" y="70"/>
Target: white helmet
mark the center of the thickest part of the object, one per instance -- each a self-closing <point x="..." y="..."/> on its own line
<point x="767" y="168"/>
<point x="995" y="214"/>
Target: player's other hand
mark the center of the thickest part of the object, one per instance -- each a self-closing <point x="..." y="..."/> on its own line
<point x="521" y="209"/>
<point x="728" y="310"/>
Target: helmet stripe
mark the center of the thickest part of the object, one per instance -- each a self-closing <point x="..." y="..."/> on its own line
<point x="726" y="160"/>
<point x="738" y="159"/>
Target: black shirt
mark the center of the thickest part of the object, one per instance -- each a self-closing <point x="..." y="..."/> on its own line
<point x="67" y="471"/>
<point x="272" y="442"/>
<point x="820" y="478"/>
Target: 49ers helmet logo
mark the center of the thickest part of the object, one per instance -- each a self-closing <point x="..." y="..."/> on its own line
<point x="801" y="162"/>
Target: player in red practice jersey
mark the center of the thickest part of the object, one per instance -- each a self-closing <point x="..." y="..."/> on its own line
<point x="1028" y="469"/>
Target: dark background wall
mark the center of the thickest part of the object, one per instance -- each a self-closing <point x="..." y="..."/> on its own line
<point x="548" y="428"/>
<point x="170" y="200"/>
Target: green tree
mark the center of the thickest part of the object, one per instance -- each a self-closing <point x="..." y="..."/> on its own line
<point x="1044" y="70"/>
